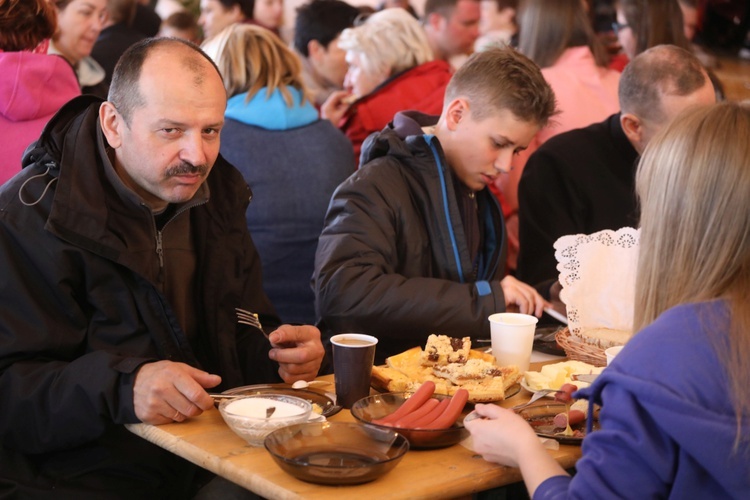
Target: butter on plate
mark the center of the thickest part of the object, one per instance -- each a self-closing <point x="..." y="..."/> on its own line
<point x="556" y="375"/>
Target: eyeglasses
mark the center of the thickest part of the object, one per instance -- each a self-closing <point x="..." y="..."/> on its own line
<point x="617" y="27"/>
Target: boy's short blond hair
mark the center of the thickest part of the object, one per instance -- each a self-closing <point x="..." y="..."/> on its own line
<point x="503" y="78"/>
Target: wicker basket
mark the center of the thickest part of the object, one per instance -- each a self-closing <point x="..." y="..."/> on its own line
<point x="580" y="351"/>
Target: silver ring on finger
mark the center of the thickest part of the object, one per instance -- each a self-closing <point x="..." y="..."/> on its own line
<point x="176" y="417"/>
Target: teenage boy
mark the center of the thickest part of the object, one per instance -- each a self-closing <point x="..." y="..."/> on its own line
<point x="413" y="242"/>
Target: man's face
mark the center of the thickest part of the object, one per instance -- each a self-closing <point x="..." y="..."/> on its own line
<point x="269" y="13"/>
<point x="673" y="105"/>
<point x="172" y="142"/>
<point x="479" y="151"/>
<point x="459" y="31"/>
<point x="625" y="35"/>
<point x="689" y="20"/>
<point x="330" y="62"/>
<point x="214" y="17"/>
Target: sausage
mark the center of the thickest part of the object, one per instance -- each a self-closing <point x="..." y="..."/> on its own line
<point x="453" y="411"/>
<point x="424" y="422"/>
<point x="408" y="420"/>
<point x="566" y="394"/>
<point x="425" y="392"/>
<point x="576" y="417"/>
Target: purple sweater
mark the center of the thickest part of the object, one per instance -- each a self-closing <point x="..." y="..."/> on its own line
<point x="667" y="424"/>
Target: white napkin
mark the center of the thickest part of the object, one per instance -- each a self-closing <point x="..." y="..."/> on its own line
<point x="597" y="274"/>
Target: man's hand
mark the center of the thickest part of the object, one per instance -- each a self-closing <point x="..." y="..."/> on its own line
<point x="554" y="296"/>
<point x="298" y="351"/>
<point x="165" y="391"/>
<point x="522" y="295"/>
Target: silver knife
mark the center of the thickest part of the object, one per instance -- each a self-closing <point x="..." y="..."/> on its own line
<point x="585" y="377"/>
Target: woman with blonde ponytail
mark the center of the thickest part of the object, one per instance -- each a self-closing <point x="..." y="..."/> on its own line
<point x="291" y="159"/>
<point x="675" y="405"/>
<point x="694" y="190"/>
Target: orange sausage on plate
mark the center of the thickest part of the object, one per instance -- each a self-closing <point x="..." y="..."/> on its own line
<point x="408" y="421"/>
<point x="567" y="393"/>
<point x="423" y="423"/>
<point x="425" y="392"/>
<point x="576" y="417"/>
<point x="452" y="412"/>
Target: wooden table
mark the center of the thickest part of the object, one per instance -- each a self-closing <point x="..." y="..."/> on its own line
<point x="444" y="473"/>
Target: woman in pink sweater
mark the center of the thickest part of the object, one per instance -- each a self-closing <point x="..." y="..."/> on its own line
<point x="557" y="35"/>
<point x="33" y="85"/>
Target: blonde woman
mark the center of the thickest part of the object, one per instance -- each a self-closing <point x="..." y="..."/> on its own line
<point x="291" y="159"/>
<point x="391" y="69"/>
<point x="675" y="418"/>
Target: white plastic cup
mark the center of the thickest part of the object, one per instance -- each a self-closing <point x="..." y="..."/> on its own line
<point x="513" y="338"/>
<point x="612" y="352"/>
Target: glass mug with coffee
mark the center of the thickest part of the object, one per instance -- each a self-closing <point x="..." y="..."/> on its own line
<point x="353" y="356"/>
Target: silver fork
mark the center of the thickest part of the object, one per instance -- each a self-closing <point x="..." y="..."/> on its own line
<point x="251" y="319"/>
<point x="535" y="397"/>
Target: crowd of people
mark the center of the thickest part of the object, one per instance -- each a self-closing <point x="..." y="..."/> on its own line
<point x="386" y="171"/>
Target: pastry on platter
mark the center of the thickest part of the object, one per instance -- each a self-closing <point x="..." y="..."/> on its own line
<point x="442" y="349"/>
<point x="477" y="372"/>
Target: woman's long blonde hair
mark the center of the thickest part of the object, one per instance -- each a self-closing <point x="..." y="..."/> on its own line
<point x="693" y="183"/>
<point x="253" y="58"/>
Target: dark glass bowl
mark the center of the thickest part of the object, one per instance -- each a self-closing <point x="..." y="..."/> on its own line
<point x="378" y="406"/>
<point x="336" y="453"/>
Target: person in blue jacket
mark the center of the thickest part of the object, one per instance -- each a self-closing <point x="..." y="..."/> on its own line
<point x="675" y="409"/>
<point x="292" y="160"/>
<point x="414" y="242"/>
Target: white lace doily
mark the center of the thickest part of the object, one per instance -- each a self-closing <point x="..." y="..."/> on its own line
<point x="597" y="274"/>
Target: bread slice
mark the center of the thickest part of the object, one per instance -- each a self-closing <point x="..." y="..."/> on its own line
<point x="487" y="390"/>
<point x="409" y="363"/>
<point x="484" y="381"/>
<point x="385" y="378"/>
<point x="405" y="372"/>
<point x="511" y="375"/>
<point x="603" y="338"/>
<point x="442" y="349"/>
<point x="474" y="354"/>
<point x="471" y="371"/>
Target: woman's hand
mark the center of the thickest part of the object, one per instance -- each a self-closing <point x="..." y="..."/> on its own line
<point x="336" y="106"/>
<point x="505" y="438"/>
<point x="500" y="435"/>
<point x="522" y="295"/>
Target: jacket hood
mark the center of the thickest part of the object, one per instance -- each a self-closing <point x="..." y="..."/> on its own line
<point x="34" y="86"/>
<point x="271" y="112"/>
<point x="50" y="144"/>
<point x="396" y="137"/>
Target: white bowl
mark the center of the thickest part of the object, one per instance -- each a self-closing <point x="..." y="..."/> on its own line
<point x="246" y="416"/>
